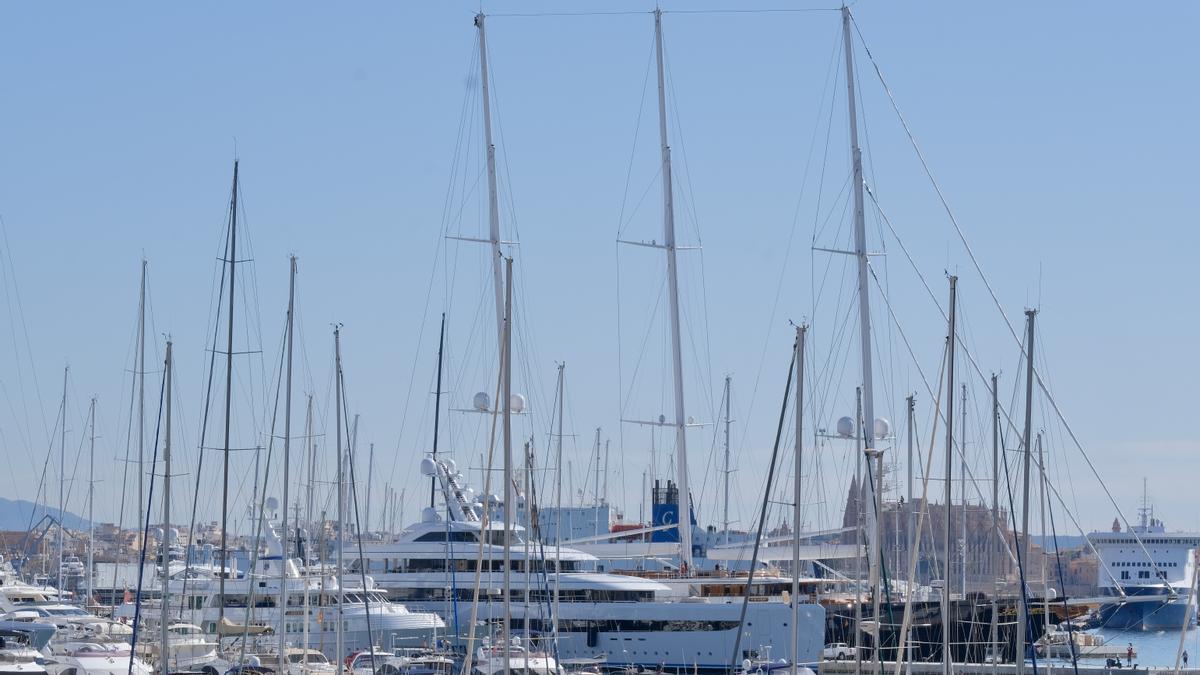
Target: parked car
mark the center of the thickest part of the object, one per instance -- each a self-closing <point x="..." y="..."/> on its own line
<point x="837" y="651"/>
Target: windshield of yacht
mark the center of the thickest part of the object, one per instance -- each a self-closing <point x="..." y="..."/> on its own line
<point x="62" y="611"/>
<point x="313" y="657"/>
<point x="496" y="538"/>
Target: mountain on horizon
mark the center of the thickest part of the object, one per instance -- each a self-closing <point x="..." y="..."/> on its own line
<point x="18" y="515"/>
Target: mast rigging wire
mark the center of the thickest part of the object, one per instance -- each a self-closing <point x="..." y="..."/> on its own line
<point x="995" y="300"/>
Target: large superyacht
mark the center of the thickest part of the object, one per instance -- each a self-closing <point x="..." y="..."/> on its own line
<point x="628" y="620"/>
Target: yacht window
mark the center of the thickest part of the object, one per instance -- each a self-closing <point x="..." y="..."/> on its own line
<point x="427" y="565"/>
<point x="496" y="538"/>
<point x="456" y="536"/>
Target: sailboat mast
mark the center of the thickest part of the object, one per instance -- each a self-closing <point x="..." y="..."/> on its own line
<point x="437" y="408"/>
<point x="493" y="192"/>
<point x="1042" y="506"/>
<point x="1023" y="608"/>
<point x="681" y="464"/>
<point x="795" y="627"/>
<point x="725" y="508"/>
<point x="370" y="472"/>
<point x="165" y="618"/>
<point x="995" y="477"/>
<point x="911" y="408"/>
<point x="287" y="463"/>
<point x="962" y="486"/>
<point x="341" y="492"/>
<point x="232" y="261"/>
<point x="864" y="298"/>
<point x="308" y="514"/>
<point x="91" y="559"/>
<point x="506" y="369"/>
<point x="141" y="388"/>
<point x="562" y="401"/>
<point x="947" y="625"/>
<point x="62" y="480"/>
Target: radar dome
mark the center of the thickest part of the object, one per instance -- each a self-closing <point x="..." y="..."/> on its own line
<point x="882" y="427"/>
<point x="272" y="503"/>
<point x="450" y="466"/>
<point x="428" y="467"/>
<point x="662" y="419"/>
<point x="516" y="403"/>
<point x="482" y="402"/>
<point x="845" y="427"/>
<point x="429" y="515"/>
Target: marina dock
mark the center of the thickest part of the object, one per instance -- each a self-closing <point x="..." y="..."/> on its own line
<point x="1043" y="668"/>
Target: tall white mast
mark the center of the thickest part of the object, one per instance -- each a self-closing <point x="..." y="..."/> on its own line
<point x="341" y="494"/>
<point x="225" y="455"/>
<point x="596" y="482"/>
<point x="795" y="627"/>
<point x="287" y="463"/>
<point x="947" y="625"/>
<point x="308" y="512"/>
<point x="864" y="311"/>
<point x="141" y="388"/>
<point x="62" y="479"/>
<point x="493" y="196"/>
<point x="962" y="482"/>
<point x="562" y="400"/>
<point x="725" y="511"/>
<point x="1023" y="607"/>
<point x="864" y="300"/>
<point x="91" y="559"/>
<point x="681" y="464"/>
<point x="165" y="619"/>
<point x="506" y="369"/>
<point x="1042" y="506"/>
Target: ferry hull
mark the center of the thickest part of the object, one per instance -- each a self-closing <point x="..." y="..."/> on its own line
<point x="1148" y="616"/>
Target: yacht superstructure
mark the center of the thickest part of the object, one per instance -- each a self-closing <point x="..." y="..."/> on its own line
<point x="252" y="600"/>
<point x="556" y="592"/>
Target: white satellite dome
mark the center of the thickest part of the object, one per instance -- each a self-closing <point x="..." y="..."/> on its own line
<point x="845" y="427"/>
<point x="450" y="466"/>
<point x="482" y="402"/>
<point x="882" y="427"/>
<point x="516" y="403"/>
<point x="429" y="515"/>
<point x="428" y="467"/>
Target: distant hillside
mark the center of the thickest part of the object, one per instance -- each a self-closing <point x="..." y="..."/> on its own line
<point x="17" y="515"/>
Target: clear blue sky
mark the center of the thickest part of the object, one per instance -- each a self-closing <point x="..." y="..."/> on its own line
<point x="1063" y="136"/>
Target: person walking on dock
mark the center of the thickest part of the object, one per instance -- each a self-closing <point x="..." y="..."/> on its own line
<point x="1129" y="654"/>
<point x="1185" y="658"/>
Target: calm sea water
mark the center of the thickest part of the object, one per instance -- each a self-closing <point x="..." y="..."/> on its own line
<point x="1155" y="649"/>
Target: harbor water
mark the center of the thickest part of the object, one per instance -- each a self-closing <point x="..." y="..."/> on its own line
<point x="1154" y="649"/>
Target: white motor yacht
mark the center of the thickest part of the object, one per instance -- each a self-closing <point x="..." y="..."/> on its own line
<point x="673" y="621"/>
